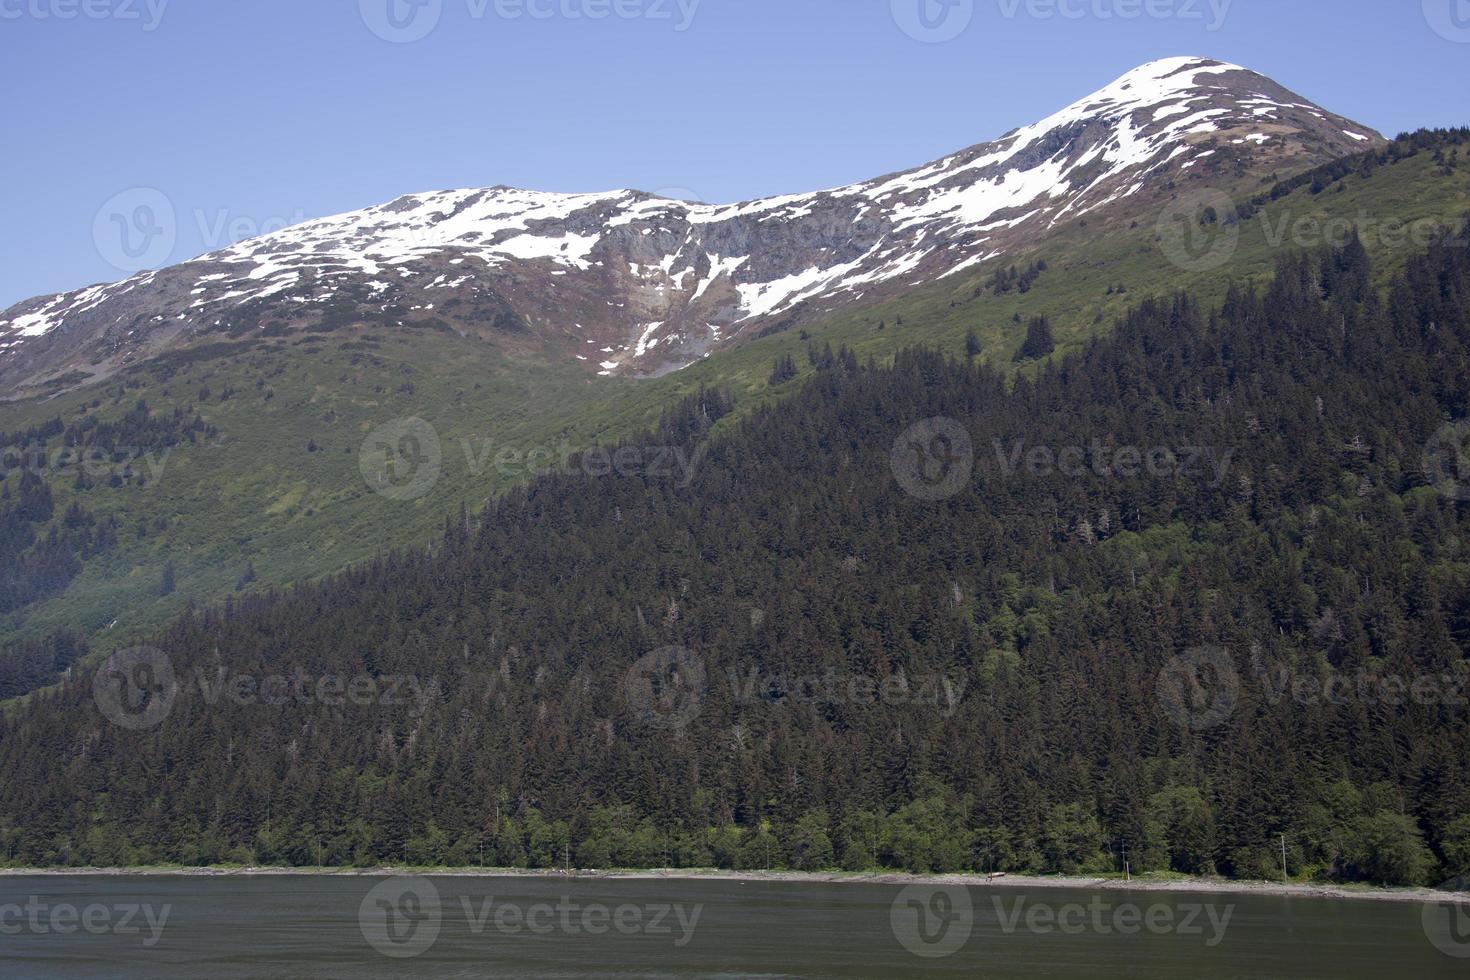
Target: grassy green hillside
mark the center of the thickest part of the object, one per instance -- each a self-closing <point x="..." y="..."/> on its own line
<point x="280" y="489"/>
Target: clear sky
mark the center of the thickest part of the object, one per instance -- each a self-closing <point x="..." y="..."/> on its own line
<point x="249" y="114"/>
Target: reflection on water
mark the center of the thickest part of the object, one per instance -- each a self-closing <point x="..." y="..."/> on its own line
<point x="341" y="926"/>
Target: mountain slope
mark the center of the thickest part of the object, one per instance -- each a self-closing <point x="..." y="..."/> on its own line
<point x="797" y="659"/>
<point x="627" y="283"/>
<point x="274" y="492"/>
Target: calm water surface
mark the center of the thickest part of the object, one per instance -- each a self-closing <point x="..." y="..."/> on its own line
<point x="315" y="926"/>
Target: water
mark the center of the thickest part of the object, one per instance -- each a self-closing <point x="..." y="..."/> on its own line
<point x="319" y="926"/>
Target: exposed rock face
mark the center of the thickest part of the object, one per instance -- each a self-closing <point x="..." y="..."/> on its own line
<point x="630" y="283"/>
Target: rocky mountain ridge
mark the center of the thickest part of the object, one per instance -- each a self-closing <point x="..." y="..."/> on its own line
<point x="634" y="284"/>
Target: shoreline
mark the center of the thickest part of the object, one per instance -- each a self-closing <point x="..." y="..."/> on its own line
<point x="1206" y="886"/>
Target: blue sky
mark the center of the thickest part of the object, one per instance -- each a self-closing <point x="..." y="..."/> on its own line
<point x="244" y="116"/>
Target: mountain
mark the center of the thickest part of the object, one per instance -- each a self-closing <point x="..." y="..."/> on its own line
<point x="883" y="581"/>
<point x="1235" y="623"/>
<point x="625" y="283"/>
<point x="215" y="463"/>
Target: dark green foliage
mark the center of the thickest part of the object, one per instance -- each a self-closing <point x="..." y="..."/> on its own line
<point x="30" y="664"/>
<point x="38" y="556"/>
<point x="1038" y="342"/>
<point x="783" y="370"/>
<point x="1009" y="278"/>
<point x="1052" y="602"/>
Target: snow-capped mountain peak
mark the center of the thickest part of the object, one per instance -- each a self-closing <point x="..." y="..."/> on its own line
<point x="632" y="283"/>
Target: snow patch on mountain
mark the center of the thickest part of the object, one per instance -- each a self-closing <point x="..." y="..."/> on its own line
<point x="665" y="279"/>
